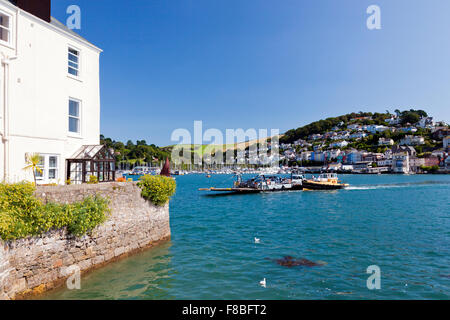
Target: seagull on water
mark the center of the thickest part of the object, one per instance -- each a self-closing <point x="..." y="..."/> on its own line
<point x="263" y="283"/>
<point x="257" y="240"/>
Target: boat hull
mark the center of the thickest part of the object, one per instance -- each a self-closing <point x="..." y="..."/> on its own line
<point x="251" y="190"/>
<point x="312" y="185"/>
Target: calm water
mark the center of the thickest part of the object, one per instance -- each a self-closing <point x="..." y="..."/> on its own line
<point x="400" y="223"/>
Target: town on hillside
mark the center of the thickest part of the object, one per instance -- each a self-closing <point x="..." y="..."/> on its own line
<point x="405" y="142"/>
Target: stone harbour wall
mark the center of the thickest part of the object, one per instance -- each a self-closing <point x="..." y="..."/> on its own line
<point x="37" y="264"/>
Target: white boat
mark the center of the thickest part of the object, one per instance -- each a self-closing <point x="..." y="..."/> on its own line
<point x="142" y="170"/>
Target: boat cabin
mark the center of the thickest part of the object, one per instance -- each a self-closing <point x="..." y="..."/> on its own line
<point x="327" y="177"/>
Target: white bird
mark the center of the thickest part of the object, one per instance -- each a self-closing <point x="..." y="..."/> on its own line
<point x="257" y="240"/>
<point x="263" y="283"/>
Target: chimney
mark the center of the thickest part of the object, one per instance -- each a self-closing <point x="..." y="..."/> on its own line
<point x="38" y="8"/>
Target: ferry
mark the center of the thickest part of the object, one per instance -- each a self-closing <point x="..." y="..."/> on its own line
<point x="262" y="183"/>
<point x="325" y="181"/>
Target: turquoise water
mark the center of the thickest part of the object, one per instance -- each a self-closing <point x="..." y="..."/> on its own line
<point x="400" y="223"/>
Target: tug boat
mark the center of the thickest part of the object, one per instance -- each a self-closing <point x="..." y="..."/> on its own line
<point x="325" y="181"/>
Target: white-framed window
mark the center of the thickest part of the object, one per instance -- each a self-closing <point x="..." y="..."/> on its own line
<point x="74" y="116"/>
<point x="74" y="62"/>
<point x="52" y="167"/>
<point x="49" y="164"/>
<point x="5" y="27"/>
<point x="41" y="165"/>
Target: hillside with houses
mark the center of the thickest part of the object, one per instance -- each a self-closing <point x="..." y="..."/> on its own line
<point x="410" y="141"/>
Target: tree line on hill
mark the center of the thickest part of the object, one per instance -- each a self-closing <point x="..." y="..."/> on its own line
<point x="135" y="153"/>
<point x="366" y="118"/>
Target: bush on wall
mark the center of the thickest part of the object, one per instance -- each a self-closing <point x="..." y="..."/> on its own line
<point x="23" y="215"/>
<point x="157" y="189"/>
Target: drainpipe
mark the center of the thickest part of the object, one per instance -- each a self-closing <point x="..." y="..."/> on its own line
<point x="6" y="125"/>
<point x="5" y="135"/>
<point x="6" y="128"/>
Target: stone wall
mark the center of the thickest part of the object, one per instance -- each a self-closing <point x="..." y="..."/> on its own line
<point x="33" y="265"/>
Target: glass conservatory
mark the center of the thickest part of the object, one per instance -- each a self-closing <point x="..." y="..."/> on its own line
<point x="92" y="160"/>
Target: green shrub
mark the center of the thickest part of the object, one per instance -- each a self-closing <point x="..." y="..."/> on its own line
<point x="23" y="215"/>
<point x="86" y="215"/>
<point x="157" y="189"/>
<point x="432" y="169"/>
<point x="92" y="180"/>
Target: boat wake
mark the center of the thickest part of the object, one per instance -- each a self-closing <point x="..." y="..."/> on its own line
<point x="398" y="185"/>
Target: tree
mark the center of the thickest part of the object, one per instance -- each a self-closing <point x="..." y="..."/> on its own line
<point x="33" y="161"/>
<point x="410" y="117"/>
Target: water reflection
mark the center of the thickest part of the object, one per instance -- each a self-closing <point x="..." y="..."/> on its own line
<point x="145" y="275"/>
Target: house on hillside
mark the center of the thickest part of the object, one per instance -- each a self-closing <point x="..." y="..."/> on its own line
<point x="400" y="162"/>
<point x="408" y="149"/>
<point x="339" y="144"/>
<point x="385" y="142"/>
<point x="375" y="128"/>
<point x="50" y="76"/>
<point x="354" y="156"/>
<point x="358" y="135"/>
<point x="412" y="140"/>
<point x="440" y="133"/>
<point x="407" y="129"/>
<point x="394" y="120"/>
<point x="446" y="142"/>
<point x="416" y="163"/>
<point x="426" y="123"/>
<point x="354" y="126"/>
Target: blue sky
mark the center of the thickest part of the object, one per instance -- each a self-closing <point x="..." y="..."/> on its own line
<point x="262" y="63"/>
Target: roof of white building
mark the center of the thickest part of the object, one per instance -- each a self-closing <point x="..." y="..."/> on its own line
<point x="56" y="23"/>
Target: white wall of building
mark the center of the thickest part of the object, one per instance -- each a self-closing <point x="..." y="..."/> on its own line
<point x="446" y="142"/>
<point x="35" y="90"/>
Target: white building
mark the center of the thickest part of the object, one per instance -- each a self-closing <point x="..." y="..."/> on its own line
<point x="416" y="163"/>
<point x="400" y="162"/>
<point x="339" y="144"/>
<point x="426" y="122"/>
<point x="446" y="142"/>
<point x="315" y="136"/>
<point x="354" y="126"/>
<point x="412" y="141"/>
<point x="385" y="142"/>
<point x="333" y="154"/>
<point x="408" y="129"/>
<point x="384" y="163"/>
<point x="358" y="135"/>
<point x="306" y="155"/>
<point x="375" y="128"/>
<point x="49" y="89"/>
<point x="393" y="120"/>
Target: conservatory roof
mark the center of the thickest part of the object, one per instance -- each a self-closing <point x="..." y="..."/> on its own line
<point x="93" y="152"/>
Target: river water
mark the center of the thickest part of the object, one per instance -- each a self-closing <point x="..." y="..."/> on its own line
<point x="399" y="223"/>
